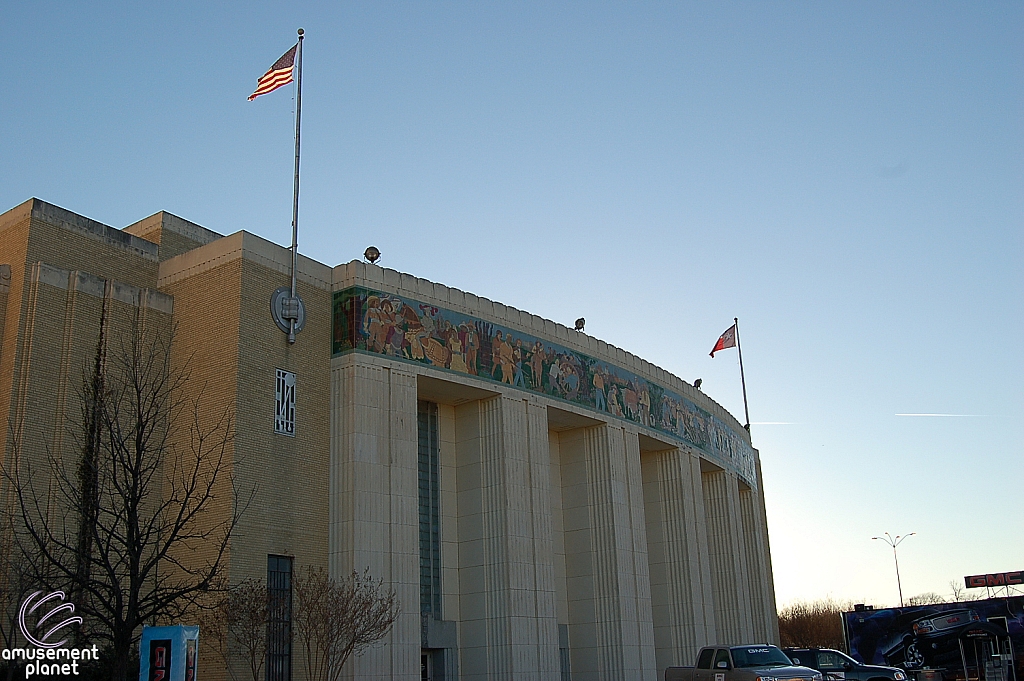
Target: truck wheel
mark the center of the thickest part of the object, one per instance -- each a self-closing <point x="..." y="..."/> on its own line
<point x="912" y="657"/>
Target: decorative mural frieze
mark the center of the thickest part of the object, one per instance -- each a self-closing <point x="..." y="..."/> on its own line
<point x="406" y="329"/>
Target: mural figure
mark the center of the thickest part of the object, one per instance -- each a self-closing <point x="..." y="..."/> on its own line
<point x="570" y="381"/>
<point x="644" y="399"/>
<point x="629" y="401"/>
<point x="372" y="324"/>
<point x="553" y="374"/>
<point x="467" y="336"/>
<point x="666" y="413"/>
<point x="537" y="358"/>
<point x="613" y="401"/>
<point x="517" y="363"/>
<point x="501" y="353"/>
<point x="599" y="401"/>
<point x="458" y="360"/>
<point x="415" y="334"/>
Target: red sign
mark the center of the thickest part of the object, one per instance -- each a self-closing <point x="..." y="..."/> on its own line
<point x="996" y="579"/>
<point x="159" y="660"/>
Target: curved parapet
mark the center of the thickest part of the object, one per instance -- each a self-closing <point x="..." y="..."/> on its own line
<point x="386" y="313"/>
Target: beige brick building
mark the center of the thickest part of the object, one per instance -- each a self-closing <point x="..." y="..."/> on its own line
<point x="545" y="505"/>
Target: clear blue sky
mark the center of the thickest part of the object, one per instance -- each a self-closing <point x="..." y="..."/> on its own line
<point x="846" y="178"/>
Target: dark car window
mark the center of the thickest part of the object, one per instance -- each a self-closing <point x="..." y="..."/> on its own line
<point x="800" y="657"/>
<point x="759" y="656"/>
<point x="704" y="661"/>
<point x="829" y="660"/>
<point x="722" y="656"/>
<point x="846" y="658"/>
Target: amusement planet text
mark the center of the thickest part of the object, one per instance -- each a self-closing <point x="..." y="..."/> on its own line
<point x="39" y="659"/>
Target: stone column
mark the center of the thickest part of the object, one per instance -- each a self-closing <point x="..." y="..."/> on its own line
<point x="703" y="551"/>
<point x="755" y="553"/>
<point x="641" y="617"/>
<point x="611" y="632"/>
<point x="675" y="514"/>
<point x="373" y="500"/>
<point x="540" y="572"/>
<point x="508" y="625"/>
<point x="728" y="564"/>
<point x="766" y="556"/>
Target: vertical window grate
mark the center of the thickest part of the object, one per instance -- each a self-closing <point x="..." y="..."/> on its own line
<point x="279" y="618"/>
<point x="284" y="417"/>
<point x="430" y="509"/>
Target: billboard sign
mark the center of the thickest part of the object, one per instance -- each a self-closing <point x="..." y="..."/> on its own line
<point x="995" y="579"/>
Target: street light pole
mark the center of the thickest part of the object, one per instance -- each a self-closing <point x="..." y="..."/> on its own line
<point x="888" y="539"/>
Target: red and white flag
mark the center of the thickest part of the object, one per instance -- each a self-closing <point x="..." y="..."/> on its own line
<point x="726" y="340"/>
<point x="279" y="74"/>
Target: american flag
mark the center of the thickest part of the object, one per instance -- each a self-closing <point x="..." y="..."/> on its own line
<point x="279" y="74"/>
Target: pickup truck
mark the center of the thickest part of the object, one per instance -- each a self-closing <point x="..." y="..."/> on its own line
<point x="760" y="662"/>
<point x="835" y="665"/>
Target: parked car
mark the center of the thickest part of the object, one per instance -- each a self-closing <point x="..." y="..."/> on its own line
<point x="835" y="665"/>
<point x="759" y="662"/>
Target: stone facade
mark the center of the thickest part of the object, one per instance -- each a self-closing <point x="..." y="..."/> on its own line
<point x="549" y="507"/>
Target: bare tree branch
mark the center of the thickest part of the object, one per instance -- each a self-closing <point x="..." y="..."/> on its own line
<point x="235" y="628"/>
<point x="337" y="618"/>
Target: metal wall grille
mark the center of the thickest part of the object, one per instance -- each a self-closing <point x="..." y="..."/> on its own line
<point x="430" y="510"/>
<point x="284" y="416"/>
<point x="279" y="618"/>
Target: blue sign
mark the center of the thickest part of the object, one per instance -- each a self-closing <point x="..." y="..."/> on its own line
<point x="168" y="653"/>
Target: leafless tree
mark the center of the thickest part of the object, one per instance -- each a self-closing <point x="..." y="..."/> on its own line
<point x="213" y="627"/>
<point x="337" y="618"/>
<point x="140" y="527"/>
<point x="235" y="628"/>
<point x="958" y="590"/>
<point x="818" y="624"/>
<point x="14" y="586"/>
<point x="248" y="606"/>
<point x="961" y="593"/>
<point x="927" y="598"/>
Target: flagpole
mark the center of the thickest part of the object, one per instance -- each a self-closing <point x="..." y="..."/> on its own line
<point x="743" y="380"/>
<point x="295" y="193"/>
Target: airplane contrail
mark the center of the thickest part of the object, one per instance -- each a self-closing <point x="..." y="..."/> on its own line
<point x="953" y="415"/>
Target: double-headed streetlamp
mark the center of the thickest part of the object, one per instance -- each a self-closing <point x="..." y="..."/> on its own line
<point x="894" y="542"/>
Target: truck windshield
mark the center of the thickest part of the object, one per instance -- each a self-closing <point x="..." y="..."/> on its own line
<point x="759" y="656"/>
